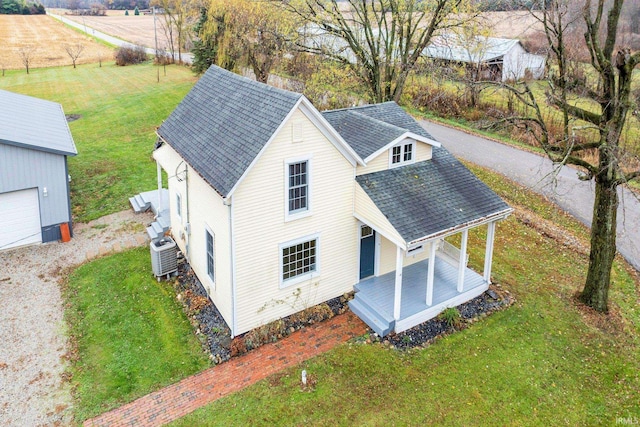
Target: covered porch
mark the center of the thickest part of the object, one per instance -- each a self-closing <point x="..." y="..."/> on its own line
<point x="375" y="300"/>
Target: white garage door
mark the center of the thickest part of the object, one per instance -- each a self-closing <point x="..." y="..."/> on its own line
<point x="19" y="218"/>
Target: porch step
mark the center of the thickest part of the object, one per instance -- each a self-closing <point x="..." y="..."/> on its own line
<point x="375" y="321"/>
<point x="139" y="204"/>
<point x="155" y="230"/>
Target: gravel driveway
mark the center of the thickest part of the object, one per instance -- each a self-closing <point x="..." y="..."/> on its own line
<point x="33" y="338"/>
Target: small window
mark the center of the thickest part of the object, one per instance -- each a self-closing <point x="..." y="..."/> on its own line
<point x="299" y="260"/>
<point x="210" y="259"/>
<point x="408" y="152"/>
<point x="397" y="151"/>
<point x="178" y="205"/>
<point x="401" y="154"/>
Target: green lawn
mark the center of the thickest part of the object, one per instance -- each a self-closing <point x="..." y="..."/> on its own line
<point x="120" y="108"/>
<point x="131" y="334"/>
<point x="541" y="362"/>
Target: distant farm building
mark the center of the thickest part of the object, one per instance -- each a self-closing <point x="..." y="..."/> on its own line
<point x="499" y="59"/>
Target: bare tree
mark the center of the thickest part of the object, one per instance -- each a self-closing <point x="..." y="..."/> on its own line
<point x="27" y="54"/>
<point x="380" y="40"/>
<point x="74" y="51"/>
<point x="178" y="18"/>
<point x="593" y="113"/>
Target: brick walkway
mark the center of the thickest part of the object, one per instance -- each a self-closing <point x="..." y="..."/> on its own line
<point x="186" y="396"/>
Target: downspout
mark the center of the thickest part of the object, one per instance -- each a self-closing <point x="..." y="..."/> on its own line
<point x="68" y="182"/>
<point x="159" y="173"/>
<point x="228" y="202"/>
<point x="187" y="226"/>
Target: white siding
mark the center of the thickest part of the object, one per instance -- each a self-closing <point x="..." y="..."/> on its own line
<point x="259" y="227"/>
<point x="203" y="206"/>
<point x="388" y="256"/>
<point x="369" y="214"/>
<point x="517" y="61"/>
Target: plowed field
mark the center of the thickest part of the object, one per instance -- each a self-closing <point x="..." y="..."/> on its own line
<point x="46" y="38"/>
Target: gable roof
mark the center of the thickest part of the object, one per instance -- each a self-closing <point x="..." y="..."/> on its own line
<point x="223" y="123"/>
<point x="35" y="123"/>
<point x="369" y="128"/>
<point x="406" y="196"/>
<point x="477" y="50"/>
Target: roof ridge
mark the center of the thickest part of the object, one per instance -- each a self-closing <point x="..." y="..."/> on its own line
<point x="381" y="122"/>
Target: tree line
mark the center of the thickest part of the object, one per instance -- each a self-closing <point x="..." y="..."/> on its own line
<point x="20" y="7"/>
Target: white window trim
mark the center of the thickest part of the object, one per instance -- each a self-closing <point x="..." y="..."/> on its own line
<point x="178" y="199"/>
<point x="211" y="280"/>
<point x="402" y="153"/>
<point x="303" y="277"/>
<point x="302" y="214"/>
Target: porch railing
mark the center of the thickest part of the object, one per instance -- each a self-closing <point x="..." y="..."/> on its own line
<point x="451" y="253"/>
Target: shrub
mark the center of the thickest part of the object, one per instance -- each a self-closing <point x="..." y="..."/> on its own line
<point x="127" y="55"/>
<point x="451" y="316"/>
<point x="126" y="13"/>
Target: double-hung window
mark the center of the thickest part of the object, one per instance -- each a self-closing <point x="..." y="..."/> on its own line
<point x="298" y="180"/>
<point x="209" y="251"/>
<point x="299" y="260"/>
<point x="402" y="154"/>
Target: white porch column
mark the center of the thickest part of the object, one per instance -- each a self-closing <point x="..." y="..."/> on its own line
<point x="431" y="273"/>
<point x="462" y="264"/>
<point x="159" y="172"/>
<point x="398" y="290"/>
<point x="488" y="253"/>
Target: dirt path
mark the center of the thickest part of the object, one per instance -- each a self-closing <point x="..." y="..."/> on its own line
<point x="33" y="338"/>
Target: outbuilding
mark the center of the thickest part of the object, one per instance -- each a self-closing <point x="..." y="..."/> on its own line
<point x="35" y="142"/>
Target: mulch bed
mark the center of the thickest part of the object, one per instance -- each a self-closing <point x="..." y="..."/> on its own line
<point x="215" y="334"/>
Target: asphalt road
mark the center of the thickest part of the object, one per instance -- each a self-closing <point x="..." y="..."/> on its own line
<point x="537" y="173"/>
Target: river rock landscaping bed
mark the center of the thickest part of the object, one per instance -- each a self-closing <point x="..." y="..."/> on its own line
<point x="215" y="334"/>
<point x="424" y="334"/>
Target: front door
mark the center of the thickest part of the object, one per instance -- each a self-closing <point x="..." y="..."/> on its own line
<point x="367" y="251"/>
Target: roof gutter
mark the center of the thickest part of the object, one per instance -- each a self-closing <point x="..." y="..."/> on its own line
<point x="498" y="216"/>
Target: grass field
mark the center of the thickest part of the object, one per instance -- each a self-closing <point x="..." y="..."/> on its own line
<point x="47" y="37"/>
<point x="119" y="109"/>
<point x="131" y="334"/>
<point x="543" y="361"/>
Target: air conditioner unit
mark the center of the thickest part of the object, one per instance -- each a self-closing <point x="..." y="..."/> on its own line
<point x="164" y="259"/>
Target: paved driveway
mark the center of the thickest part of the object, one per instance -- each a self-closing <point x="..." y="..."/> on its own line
<point x="33" y="341"/>
<point x="537" y="172"/>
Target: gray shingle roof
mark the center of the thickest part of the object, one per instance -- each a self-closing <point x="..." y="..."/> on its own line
<point x="370" y="127"/>
<point x="222" y="124"/>
<point x="363" y="133"/>
<point x="34" y="123"/>
<point x="430" y="197"/>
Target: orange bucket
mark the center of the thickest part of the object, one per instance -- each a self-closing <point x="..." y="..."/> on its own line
<point x="64" y="231"/>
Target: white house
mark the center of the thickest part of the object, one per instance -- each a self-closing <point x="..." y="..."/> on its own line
<point x="502" y="59"/>
<point x="279" y="207"/>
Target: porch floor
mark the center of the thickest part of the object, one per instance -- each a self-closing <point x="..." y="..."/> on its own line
<point x="378" y="292"/>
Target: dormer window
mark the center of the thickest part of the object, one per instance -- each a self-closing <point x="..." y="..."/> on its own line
<point x="402" y="154"/>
